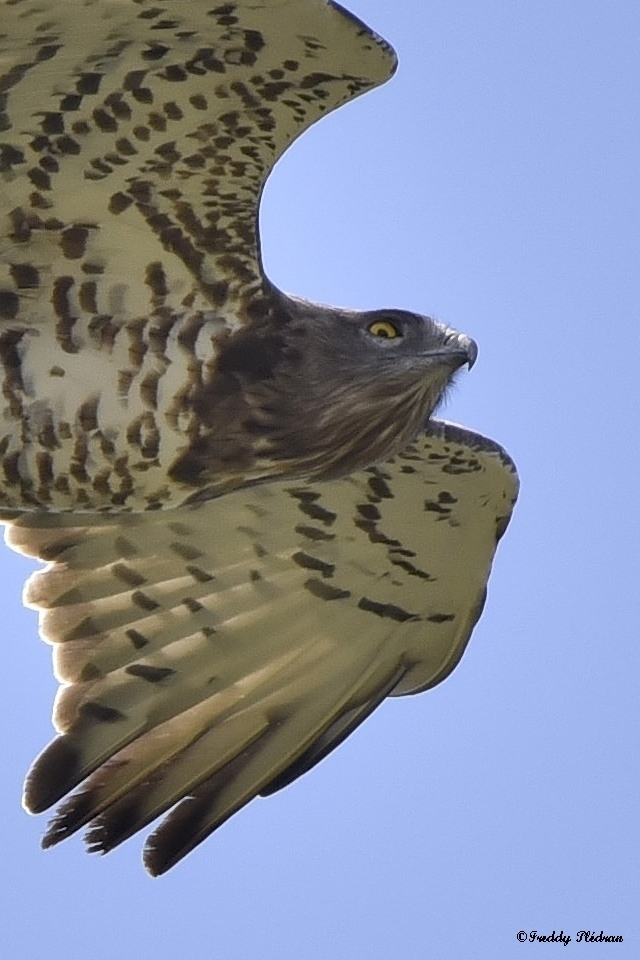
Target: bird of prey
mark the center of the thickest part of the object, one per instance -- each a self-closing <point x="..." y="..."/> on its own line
<point x="254" y="530"/>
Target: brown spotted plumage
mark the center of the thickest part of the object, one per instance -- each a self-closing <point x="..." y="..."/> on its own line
<point x="253" y="530"/>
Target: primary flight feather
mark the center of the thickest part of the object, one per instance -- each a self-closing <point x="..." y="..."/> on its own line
<point x="253" y="529"/>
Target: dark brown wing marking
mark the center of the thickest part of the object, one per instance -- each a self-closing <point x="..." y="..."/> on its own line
<point x="217" y="652"/>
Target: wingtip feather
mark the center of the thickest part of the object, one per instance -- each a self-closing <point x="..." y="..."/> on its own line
<point x="51" y="772"/>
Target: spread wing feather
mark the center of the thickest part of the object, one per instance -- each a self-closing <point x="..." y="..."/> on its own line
<point x="135" y="138"/>
<point x="215" y="652"/>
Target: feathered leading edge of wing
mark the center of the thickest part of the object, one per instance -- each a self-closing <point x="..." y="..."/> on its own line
<point x="214" y="653"/>
<point x="135" y="139"/>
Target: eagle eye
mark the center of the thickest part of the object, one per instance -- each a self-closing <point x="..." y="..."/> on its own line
<point x="385" y="329"/>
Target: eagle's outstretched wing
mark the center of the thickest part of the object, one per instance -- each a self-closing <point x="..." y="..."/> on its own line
<point x="135" y="139"/>
<point x="139" y="337"/>
<point x="215" y="652"/>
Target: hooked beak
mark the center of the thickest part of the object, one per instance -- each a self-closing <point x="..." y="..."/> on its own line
<point x="459" y="350"/>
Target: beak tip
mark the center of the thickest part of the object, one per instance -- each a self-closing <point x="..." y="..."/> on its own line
<point x="472" y="352"/>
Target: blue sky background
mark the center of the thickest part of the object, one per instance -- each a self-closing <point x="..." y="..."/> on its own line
<point x="493" y="183"/>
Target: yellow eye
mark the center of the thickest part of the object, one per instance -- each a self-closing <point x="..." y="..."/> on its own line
<point x="384" y="328"/>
